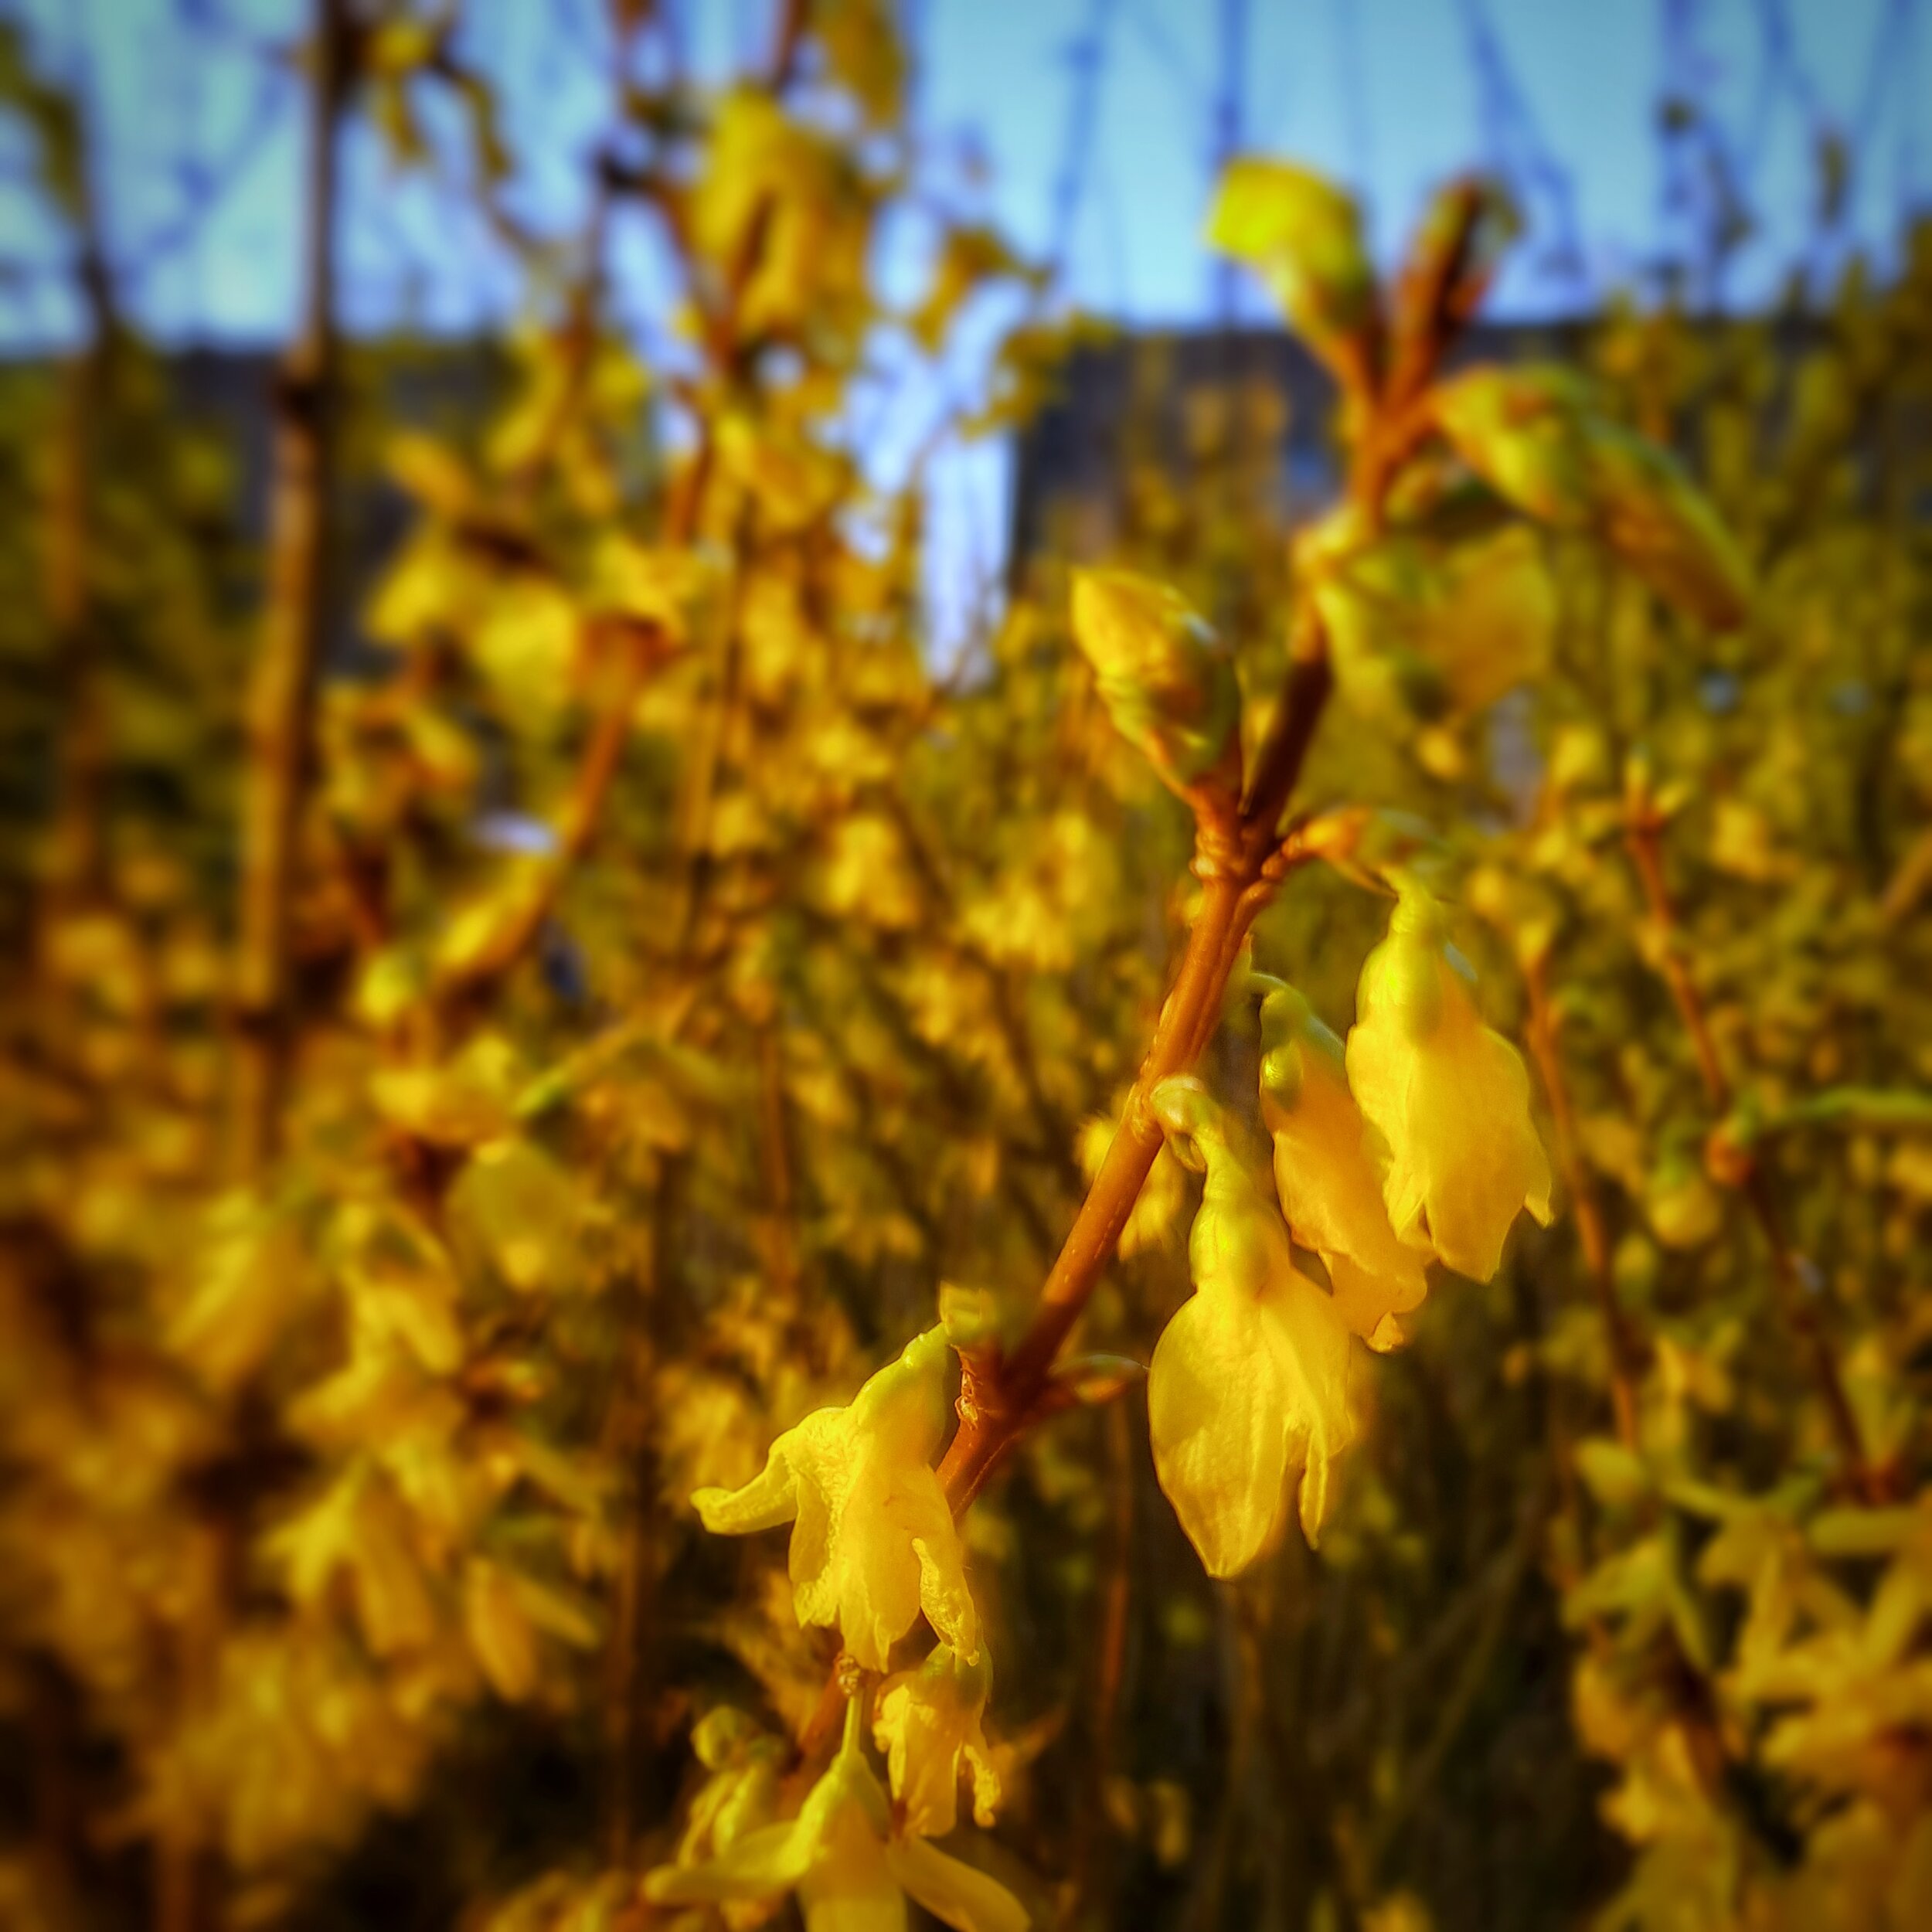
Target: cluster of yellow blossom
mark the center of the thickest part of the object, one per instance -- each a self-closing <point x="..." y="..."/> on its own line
<point x="1413" y="1143"/>
<point x="852" y="1869"/>
<point x="873" y="1544"/>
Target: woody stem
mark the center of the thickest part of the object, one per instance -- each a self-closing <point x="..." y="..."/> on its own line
<point x="1230" y="853"/>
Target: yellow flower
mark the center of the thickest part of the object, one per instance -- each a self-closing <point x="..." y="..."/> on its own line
<point x="874" y="1543"/>
<point x="1449" y="1096"/>
<point x="839" y="1854"/>
<point x="742" y="1793"/>
<point x="1331" y="1190"/>
<point x="1247" y="1391"/>
<point x="928" y="1724"/>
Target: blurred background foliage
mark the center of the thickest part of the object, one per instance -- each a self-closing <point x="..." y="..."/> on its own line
<point x="524" y="975"/>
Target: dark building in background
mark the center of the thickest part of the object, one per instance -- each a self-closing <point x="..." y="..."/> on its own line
<point x="447" y="390"/>
<point x="1157" y="395"/>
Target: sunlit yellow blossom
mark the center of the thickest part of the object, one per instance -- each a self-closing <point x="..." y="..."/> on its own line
<point x="1330" y="1189"/>
<point x="929" y="1725"/>
<point x="1450" y="1096"/>
<point x="851" y="1873"/>
<point x="874" y="1543"/>
<point x="1248" y="1391"/>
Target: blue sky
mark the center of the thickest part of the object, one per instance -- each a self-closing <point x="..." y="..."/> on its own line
<point x="1390" y="94"/>
<point x="1387" y="92"/>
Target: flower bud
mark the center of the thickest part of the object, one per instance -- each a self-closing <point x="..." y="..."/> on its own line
<point x="1166" y="682"/>
<point x="1521" y="431"/>
<point x="1533" y="435"/>
<point x="1449" y="1097"/>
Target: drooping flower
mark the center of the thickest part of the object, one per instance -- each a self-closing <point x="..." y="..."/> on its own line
<point x="874" y="1542"/>
<point x="851" y="1873"/>
<point x="1331" y="1188"/>
<point x="1449" y="1096"/>
<point x="741" y="1795"/>
<point x="928" y="1724"/>
<point x="1247" y="1393"/>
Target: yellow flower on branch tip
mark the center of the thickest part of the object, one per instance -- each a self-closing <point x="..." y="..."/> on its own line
<point x="1450" y="1097"/>
<point x="928" y="1724"/>
<point x="1248" y="1389"/>
<point x="1331" y="1188"/>
<point x="840" y="1856"/>
<point x="874" y="1542"/>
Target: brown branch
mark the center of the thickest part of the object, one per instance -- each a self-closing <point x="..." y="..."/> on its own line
<point x="1907" y="886"/>
<point x="641" y="648"/>
<point x="775" y="1168"/>
<point x="1232" y="860"/>
<point x="78" y="852"/>
<point x="77" y="873"/>
<point x="628" y="1657"/>
<point x="281" y="700"/>
<point x="1054" y="1134"/>
<point x="1278" y="763"/>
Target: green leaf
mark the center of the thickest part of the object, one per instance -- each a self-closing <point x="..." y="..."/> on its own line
<point x="1534" y="436"/>
<point x="1303" y="235"/>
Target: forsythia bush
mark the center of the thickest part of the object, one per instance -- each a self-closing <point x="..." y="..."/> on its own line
<point x="597" y="1184"/>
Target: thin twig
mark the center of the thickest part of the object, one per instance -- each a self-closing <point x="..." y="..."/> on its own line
<point x="280" y="752"/>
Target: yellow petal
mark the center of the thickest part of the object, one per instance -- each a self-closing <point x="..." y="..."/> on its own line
<point x="1247" y="1390"/>
<point x="888" y="1549"/>
<point x="1480" y="1159"/>
<point x="771" y="1497"/>
<point x="928" y="1724"/>
<point x="1449" y="1096"/>
<point x="904" y="1407"/>
<point x="921" y="1509"/>
<point x="1219" y="1448"/>
<point x="851" y="1888"/>
<point x="1243" y="1395"/>
<point x="1330" y="1189"/>
<point x="868" y="1583"/>
<point x="831" y="1846"/>
<point x="968" y="1900"/>
<point x="873" y="1542"/>
<point x="1365" y="1306"/>
<point x="762" y="1864"/>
